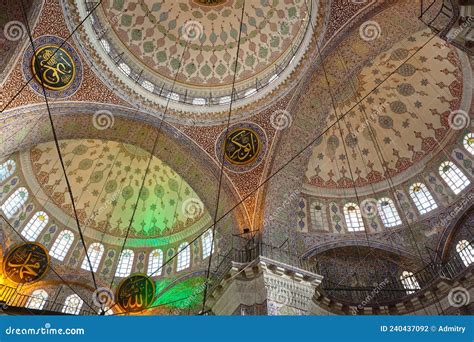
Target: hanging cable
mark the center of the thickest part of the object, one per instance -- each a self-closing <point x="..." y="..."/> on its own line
<point x="56" y="142"/>
<point x="221" y="173"/>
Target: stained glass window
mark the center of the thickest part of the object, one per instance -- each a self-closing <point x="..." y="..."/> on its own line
<point x="422" y="198"/>
<point x="155" y="259"/>
<point x="207" y="245"/>
<point x="317" y="215"/>
<point x="37" y="299"/>
<point x="95" y="252"/>
<point x="13" y="203"/>
<point x="7" y="169"/>
<point x="73" y="305"/>
<point x="184" y="256"/>
<point x="388" y="212"/>
<point x="454" y="177"/>
<point x="353" y="217"/>
<point x="62" y="244"/>
<point x="124" y="267"/>
<point x="409" y="282"/>
<point x="465" y="251"/>
<point x="35" y="226"/>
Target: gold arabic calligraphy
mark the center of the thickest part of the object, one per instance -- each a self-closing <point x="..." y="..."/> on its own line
<point x="54" y="67"/>
<point x="242" y="146"/>
<point x="26" y="263"/>
<point x="135" y="293"/>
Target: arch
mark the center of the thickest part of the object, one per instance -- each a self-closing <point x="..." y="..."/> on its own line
<point x="465" y="252"/>
<point x="35" y="226"/>
<point x="62" y="244"/>
<point x="184" y="257"/>
<point x="37" y="299"/>
<point x="155" y="260"/>
<point x="390" y="248"/>
<point x="353" y="217"/>
<point x="95" y="252"/>
<point x="388" y="212"/>
<point x="422" y="198"/>
<point x="13" y="203"/>
<point x="7" y="169"/>
<point x="72" y="305"/>
<point x="200" y="170"/>
<point x="124" y="266"/>
<point x="456" y="219"/>
<point x="453" y="176"/>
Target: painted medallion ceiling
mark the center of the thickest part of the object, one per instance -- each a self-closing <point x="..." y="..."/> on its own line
<point x="106" y="178"/>
<point x="408" y="116"/>
<point x="185" y="50"/>
<point x="153" y="31"/>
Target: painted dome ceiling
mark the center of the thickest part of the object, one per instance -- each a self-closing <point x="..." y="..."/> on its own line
<point x="407" y="115"/>
<point x="106" y="178"/>
<point x="152" y="38"/>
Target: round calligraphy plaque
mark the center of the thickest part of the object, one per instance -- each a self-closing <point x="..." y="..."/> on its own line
<point x="54" y="67"/>
<point x="26" y="263"/>
<point x="243" y="146"/>
<point x="54" y="64"/>
<point x="135" y="293"/>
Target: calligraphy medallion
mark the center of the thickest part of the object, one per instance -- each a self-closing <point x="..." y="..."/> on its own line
<point x="26" y="263"/>
<point x="243" y="146"/>
<point x="135" y="293"/>
<point x="53" y="67"/>
<point x="54" y="64"/>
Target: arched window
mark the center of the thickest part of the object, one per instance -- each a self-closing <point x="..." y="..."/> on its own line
<point x="73" y="305"/>
<point x="125" y="68"/>
<point x="468" y="142"/>
<point x="422" y="198"/>
<point x="62" y="244"/>
<point x="388" y="212"/>
<point x="94" y="252"/>
<point x="409" y="282"/>
<point x="37" y="299"/>
<point x="7" y="169"/>
<point x="148" y="86"/>
<point x="199" y="101"/>
<point x="14" y="202"/>
<point x="224" y="100"/>
<point x="207" y="245"/>
<point x="184" y="256"/>
<point x="353" y="217"/>
<point x="35" y="226"/>
<point x="173" y="96"/>
<point x="124" y="267"/>
<point x="105" y="44"/>
<point x="465" y="251"/>
<point x="454" y="177"/>
<point x="317" y="215"/>
<point x="155" y="260"/>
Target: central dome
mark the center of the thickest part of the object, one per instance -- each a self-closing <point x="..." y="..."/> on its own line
<point x="185" y="50"/>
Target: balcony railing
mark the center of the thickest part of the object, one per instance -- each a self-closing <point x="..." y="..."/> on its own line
<point x="392" y="290"/>
<point x="10" y="297"/>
